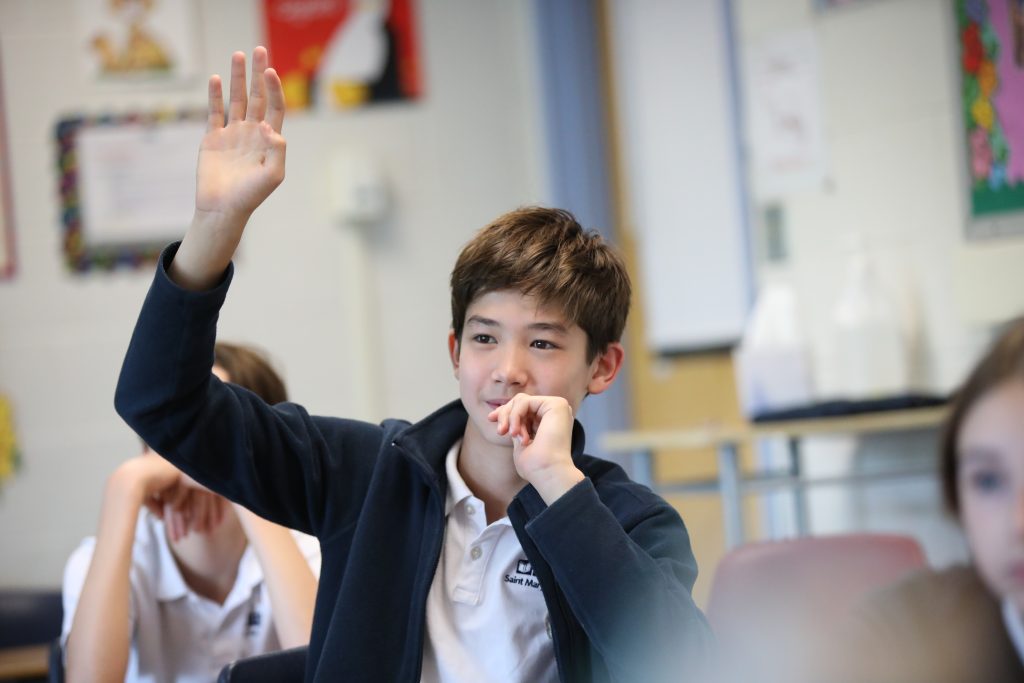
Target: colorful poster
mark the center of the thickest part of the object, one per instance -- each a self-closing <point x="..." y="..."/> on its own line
<point x="340" y="54"/>
<point x="133" y="40"/>
<point x="127" y="185"/>
<point x="991" y="39"/>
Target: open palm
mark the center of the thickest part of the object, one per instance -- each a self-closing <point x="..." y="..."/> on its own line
<point x="241" y="160"/>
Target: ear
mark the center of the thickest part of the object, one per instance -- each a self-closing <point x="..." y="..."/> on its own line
<point x="453" y="351"/>
<point x="605" y="367"/>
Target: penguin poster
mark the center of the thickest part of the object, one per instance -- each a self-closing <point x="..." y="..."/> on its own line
<point x="343" y="54"/>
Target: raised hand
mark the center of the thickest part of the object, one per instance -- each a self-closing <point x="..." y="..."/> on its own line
<point x="541" y="431"/>
<point x="242" y="161"/>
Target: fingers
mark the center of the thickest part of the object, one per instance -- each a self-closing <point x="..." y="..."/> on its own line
<point x="238" y="100"/>
<point x="275" y="99"/>
<point x="519" y="418"/>
<point x="257" y="92"/>
<point x="174" y="521"/>
<point x="216" y="107"/>
<point x="265" y="100"/>
<point x="219" y="506"/>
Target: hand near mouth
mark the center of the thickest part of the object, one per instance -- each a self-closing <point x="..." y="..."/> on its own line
<point x="541" y="431"/>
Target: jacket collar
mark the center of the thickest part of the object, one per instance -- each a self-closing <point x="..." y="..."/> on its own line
<point x="429" y="440"/>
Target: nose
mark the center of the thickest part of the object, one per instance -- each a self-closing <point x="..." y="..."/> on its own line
<point x="510" y="367"/>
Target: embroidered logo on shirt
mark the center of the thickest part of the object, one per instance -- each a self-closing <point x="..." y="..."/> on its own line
<point x="524" y="576"/>
<point x="252" y="623"/>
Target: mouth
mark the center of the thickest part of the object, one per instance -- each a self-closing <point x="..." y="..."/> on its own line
<point x="1017" y="573"/>
<point x="495" y="403"/>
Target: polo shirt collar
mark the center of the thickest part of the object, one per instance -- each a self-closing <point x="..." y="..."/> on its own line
<point x="250" y="575"/>
<point x="1014" y="626"/>
<point x="170" y="584"/>
<point x="458" y="491"/>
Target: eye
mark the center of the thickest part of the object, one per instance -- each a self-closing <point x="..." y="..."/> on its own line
<point x="986" y="481"/>
<point x="542" y="344"/>
<point x="483" y="339"/>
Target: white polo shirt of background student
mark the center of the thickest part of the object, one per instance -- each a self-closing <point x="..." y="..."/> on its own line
<point x="178" y="635"/>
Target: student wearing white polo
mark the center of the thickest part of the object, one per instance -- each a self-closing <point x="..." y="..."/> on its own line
<point x="483" y="582"/>
<point x="179" y="581"/>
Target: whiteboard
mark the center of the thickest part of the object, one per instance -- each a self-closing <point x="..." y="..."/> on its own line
<point x="676" y="103"/>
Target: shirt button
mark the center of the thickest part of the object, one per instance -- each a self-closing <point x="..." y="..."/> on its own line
<point x="470" y="509"/>
<point x="475" y="553"/>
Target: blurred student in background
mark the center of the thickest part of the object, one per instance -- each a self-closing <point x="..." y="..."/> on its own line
<point x="179" y="581"/>
<point x="965" y="623"/>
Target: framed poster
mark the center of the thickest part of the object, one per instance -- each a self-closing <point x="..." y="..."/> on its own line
<point x="785" y="117"/>
<point x="138" y="40"/>
<point x="990" y="38"/>
<point x="340" y="54"/>
<point x="127" y="185"/>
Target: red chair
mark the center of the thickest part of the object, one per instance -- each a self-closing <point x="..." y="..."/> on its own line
<point x="772" y="604"/>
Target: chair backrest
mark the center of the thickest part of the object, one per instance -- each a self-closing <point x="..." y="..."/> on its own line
<point x="29" y="616"/>
<point x="773" y="601"/>
<point x="273" y="667"/>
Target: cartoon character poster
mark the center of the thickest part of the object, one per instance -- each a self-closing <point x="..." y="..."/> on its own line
<point x="138" y="39"/>
<point x="991" y="41"/>
<point x="340" y="54"/>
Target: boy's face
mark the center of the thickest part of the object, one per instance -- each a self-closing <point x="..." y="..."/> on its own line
<point x="511" y="345"/>
<point x="990" y="481"/>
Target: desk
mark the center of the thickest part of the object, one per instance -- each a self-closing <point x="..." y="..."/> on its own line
<point x="24" y="662"/>
<point x="731" y="484"/>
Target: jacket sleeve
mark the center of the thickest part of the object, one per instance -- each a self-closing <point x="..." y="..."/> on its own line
<point x="628" y="582"/>
<point x="276" y="460"/>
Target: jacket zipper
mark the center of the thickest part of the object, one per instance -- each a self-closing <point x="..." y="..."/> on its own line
<point x="428" y="577"/>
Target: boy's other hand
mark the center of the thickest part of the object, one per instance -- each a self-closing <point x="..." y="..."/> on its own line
<point x="541" y="431"/>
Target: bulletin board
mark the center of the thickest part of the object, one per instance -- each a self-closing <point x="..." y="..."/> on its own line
<point x="687" y="189"/>
<point x="127" y="185"/>
<point x="990" y="36"/>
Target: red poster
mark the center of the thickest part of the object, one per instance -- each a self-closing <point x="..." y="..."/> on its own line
<point x="338" y="54"/>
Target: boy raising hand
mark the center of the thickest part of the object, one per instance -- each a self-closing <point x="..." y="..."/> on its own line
<point x="478" y="544"/>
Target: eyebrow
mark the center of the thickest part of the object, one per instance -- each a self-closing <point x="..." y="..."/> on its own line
<point x="978" y="455"/>
<point x="557" y="328"/>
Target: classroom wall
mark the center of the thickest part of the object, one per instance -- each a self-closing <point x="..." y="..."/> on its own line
<point x="890" y="100"/>
<point x="355" y="320"/>
<point x="890" y="106"/>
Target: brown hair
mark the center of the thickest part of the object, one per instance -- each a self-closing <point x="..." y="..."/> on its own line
<point x="547" y="254"/>
<point x="249" y="368"/>
<point x="1003" y="361"/>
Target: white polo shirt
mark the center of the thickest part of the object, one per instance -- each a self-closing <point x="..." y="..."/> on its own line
<point x="177" y="635"/>
<point x="1014" y="626"/>
<point x="486" y="616"/>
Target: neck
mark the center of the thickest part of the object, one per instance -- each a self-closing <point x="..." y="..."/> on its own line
<point x="209" y="561"/>
<point x="490" y="473"/>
